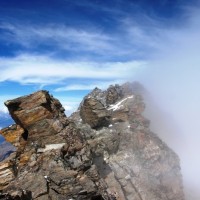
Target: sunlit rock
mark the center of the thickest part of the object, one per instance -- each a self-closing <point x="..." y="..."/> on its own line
<point x="103" y="151"/>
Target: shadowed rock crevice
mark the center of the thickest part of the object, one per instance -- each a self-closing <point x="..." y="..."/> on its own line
<point x="25" y="135"/>
<point x="105" y="150"/>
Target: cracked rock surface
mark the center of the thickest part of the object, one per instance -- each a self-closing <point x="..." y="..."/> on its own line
<point x="105" y="150"/>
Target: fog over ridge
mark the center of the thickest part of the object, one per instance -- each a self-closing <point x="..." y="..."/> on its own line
<point x="172" y="77"/>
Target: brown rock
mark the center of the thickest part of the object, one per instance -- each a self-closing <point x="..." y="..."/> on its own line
<point x="115" y="157"/>
<point x="13" y="134"/>
<point x="16" y="195"/>
<point x="94" y="113"/>
<point x="38" y="114"/>
<point x="113" y="94"/>
<point x="6" y="173"/>
<point x="52" y="154"/>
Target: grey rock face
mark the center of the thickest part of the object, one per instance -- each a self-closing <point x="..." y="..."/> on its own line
<point x="103" y="151"/>
<point x="137" y="162"/>
<point x="94" y="113"/>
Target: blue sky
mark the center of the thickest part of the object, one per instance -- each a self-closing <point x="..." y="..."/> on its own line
<point x="71" y="46"/>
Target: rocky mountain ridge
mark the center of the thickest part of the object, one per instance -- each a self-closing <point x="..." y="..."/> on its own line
<point x="105" y="150"/>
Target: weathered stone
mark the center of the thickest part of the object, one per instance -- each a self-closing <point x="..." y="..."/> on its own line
<point x="87" y="184"/>
<point x="141" y="157"/>
<point x="42" y="118"/>
<point x="16" y="195"/>
<point x="6" y="173"/>
<point x="94" y="113"/>
<point x="73" y="138"/>
<point x="13" y="134"/>
<point x="35" y="183"/>
<point x="40" y="115"/>
<point x="113" y="94"/>
<point x="115" y="157"/>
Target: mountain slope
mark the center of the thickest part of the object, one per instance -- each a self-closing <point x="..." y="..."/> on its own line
<point x="105" y="150"/>
<point x="5" y="150"/>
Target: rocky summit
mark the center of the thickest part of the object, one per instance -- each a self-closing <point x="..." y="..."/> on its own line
<point x="105" y="150"/>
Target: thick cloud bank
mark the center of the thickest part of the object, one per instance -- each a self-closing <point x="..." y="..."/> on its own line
<point x="173" y="79"/>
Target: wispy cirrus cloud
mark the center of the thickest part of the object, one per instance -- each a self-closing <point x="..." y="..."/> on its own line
<point x="122" y="32"/>
<point x="129" y="41"/>
<point x="59" y="35"/>
<point x="29" y="69"/>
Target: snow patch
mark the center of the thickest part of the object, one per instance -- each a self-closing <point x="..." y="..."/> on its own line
<point x="126" y="156"/>
<point x="50" y="147"/>
<point x="128" y="177"/>
<point x="118" y="105"/>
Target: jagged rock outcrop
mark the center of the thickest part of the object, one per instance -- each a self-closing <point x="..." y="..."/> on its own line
<point x="52" y="160"/>
<point x="94" y="113"/>
<point x="140" y="162"/>
<point x="105" y="150"/>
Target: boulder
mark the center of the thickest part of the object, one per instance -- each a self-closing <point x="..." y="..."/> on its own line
<point x="40" y="115"/>
<point x="113" y="94"/>
<point x="94" y="113"/>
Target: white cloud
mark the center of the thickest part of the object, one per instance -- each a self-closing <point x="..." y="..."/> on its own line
<point x="85" y="43"/>
<point x="172" y="77"/>
<point x="76" y="87"/>
<point x="3" y="109"/>
<point x="78" y="41"/>
<point x="59" y="35"/>
<point x="4" y="98"/>
<point x="101" y="85"/>
<point x="28" y="69"/>
<point x="70" y="104"/>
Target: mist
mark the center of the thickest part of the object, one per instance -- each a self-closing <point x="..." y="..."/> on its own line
<point x="174" y="116"/>
<point x="172" y="77"/>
